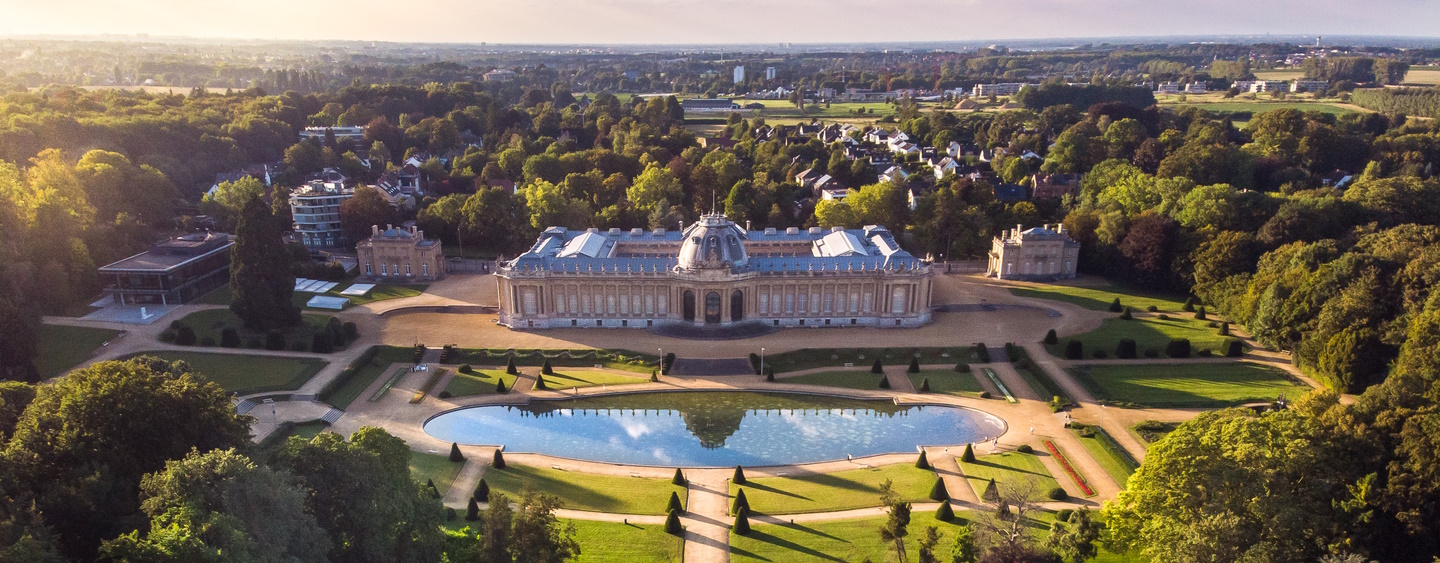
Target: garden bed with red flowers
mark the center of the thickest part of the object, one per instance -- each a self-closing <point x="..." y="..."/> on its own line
<point x="1070" y="469"/>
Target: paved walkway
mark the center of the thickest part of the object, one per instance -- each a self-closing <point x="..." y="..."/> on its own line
<point x="707" y="521"/>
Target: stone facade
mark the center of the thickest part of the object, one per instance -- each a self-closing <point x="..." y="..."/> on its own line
<point x="1040" y="254"/>
<point x="400" y="256"/>
<point x="714" y="274"/>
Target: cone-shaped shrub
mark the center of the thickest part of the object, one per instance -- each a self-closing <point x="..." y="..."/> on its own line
<point x="674" y="503"/>
<point x="982" y="352"/>
<point x="1189" y="305"/>
<point x="923" y="462"/>
<point x="499" y="461"/>
<point x="672" y="523"/>
<point x="1051" y="338"/>
<point x="472" y="510"/>
<point x="545" y="369"/>
<point x="769" y="373"/>
<point x="884" y="382"/>
<point x="1115" y="306"/>
<point x="455" y="454"/>
<point x="500" y="386"/>
<point x="739" y="477"/>
<point x="482" y="492"/>
<point x="1074" y="350"/>
<point x="945" y="513"/>
<point x="938" y="492"/>
<point x="1225" y="328"/>
<point x="991" y="493"/>
<point x="1233" y="349"/>
<point x="969" y="455"/>
<point x="433" y="491"/>
<point x="877" y="368"/>
<point x="679" y="478"/>
<point x="742" y="523"/>
<point x="540" y="383"/>
<point x="1125" y="316"/>
<point x="925" y="385"/>
<point x="962" y="367"/>
<point x="1200" y="313"/>
<point x="741" y="503"/>
<point x="914" y="365"/>
<point x="510" y="366"/>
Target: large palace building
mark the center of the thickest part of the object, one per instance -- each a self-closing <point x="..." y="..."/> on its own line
<point x="714" y="274"/>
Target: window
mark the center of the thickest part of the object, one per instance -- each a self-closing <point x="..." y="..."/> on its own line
<point x="367" y="269"/>
<point x="425" y="270"/>
<point x="407" y="268"/>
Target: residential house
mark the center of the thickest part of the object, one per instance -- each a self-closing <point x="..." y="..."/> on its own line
<point x="1055" y="186"/>
<point x="1195" y="88"/>
<point x="1040" y="253"/>
<point x="1010" y="193"/>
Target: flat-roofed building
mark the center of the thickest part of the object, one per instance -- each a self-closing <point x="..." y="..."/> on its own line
<point x="316" y="209"/>
<point x="171" y="272"/>
<point x="318" y="134"/>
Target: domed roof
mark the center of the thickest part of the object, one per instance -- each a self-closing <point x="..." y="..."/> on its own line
<point x="712" y="242"/>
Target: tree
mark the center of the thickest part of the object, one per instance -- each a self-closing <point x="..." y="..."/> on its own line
<point x="914" y="365"/>
<point x="740" y="503"/>
<point x="945" y="513"/>
<point x="455" y="454"/>
<point x="222" y="502"/>
<point x="261" y="275"/>
<point x="550" y="207"/>
<point x="964" y="550"/>
<point x="938" y="492"/>
<point x="114" y="186"/>
<point x="651" y="187"/>
<point x="969" y="455"/>
<point x="482" y="491"/>
<point x="498" y="460"/>
<point x="536" y="533"/>
<point x="1006" y="531"/>
<point x="19" y="344"/>
<point x="678" y="479"/>
<point x="510" y="366"/>
<point x="672" y="523"/>
<point x="366" y="209"/>
<point x="835" y="213"/>
<point x="228" y="199"/>
<point x="472" y="510"/>
<point x="674" y="504"/>
<point x="1074" y="539"/>
<point x="739" y="477"/>
<point x="922" y="462"/>
<point x="897" y="519"/>
<point x="926" y="551"/>
<point x="742" y="523"/>
<point x="876" y="368"/>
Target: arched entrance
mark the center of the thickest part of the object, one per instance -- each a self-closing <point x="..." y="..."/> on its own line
<point x="737" y="306"/>
<point x="712" y="308"/>
<point x="689" y="305"/>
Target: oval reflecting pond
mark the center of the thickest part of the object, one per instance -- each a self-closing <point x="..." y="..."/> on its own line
<point x="712" y="429"/>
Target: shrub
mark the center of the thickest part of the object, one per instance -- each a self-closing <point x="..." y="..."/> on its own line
<point x="1164" y="317"/>
<point x="1152" y="309"/>
<point x="1063" y="515"/>
<point x="254" y="343"/>
<point x="498" y="462"/>
<point x="877" y="368"/>
<point x="741" y="503"/>
<point x="755" y="363"/>
<point x="739" y="477"/>
<point x="938" y="492"/>
<point x="510" y="366"/>
<point x="321" y="343"/>
<point x="672" y="523"/>
<point x="274" y="340"/>
<point x="914" y="365"/>
<point x="674" y="505"/>
<point x="679" y="478"/>
<point x="1225" y="328"/>
<point x="969" y="455"/>
<point x="1051" y="338"/>
<point x="337" y="334"/>
<point x="1115" y="306"/>
<point x="923" y="462"/>
<point x="769" y="373"/>
<point x="666" y="362"/>
<point x="546" y="369"/>
<point x="991" y="492"/>
<point x="444" y="394"/>
<point x="482" y="491"/>
<point x="1098" y="354"/>
<point x="465" y="368"/>
<point x="1212" y="324"/>
<point x="962" y="367"/>
<point x="982" y="352"/>
<point x="455" y="454"/>
<point x="1125" y="316"/>
<point x="984" y="394"/>
<point x="1025" y="449"/>
<point x="176" y="324"/>
<point x="229" y="337"/>
<point x="1200" y="313"/>
<point x="1233" y="349"/>
<point x="1074" y="350"/>
<point x="742" y="524"/>
<point x="167" y="335"/>
<point x="185" y="336"/>
<point x="925" y="385"/>
<point x="1189" y="305"/>
<point x="1125" y="349"/>
<point x="500" y="386"/>
<point x="945" y="513"/>
<point x="1057" y="493"/>
<point x="472" y="510"/>
<point x="298" y="346"/>
<point x="450" y="514"/>
<point x="1204" y="353"/>
<point x="207" y="341"/>
<point x="884" y="382"/>
<point x="1152" y="353"/>
<point x="1178" y="348"/>
<point x="540" y="383"/>
<point x="434" y="492"/>
<point x="351" y="331"/>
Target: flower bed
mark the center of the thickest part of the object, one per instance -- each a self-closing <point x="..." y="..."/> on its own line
<point x="1065" y="464"/>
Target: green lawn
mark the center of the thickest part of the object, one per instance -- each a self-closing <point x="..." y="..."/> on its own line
<point x="245" y="374"/>
<point x="613" y="542"/>
<point x="583" y="491"/>
<point x="1009" y="469"/>
<point x="1111" y="456"/>
<point x="836" y="540"/>
<point x="842" y="490"/>
<point x="858" y="379"/>
<point x="381" y="292"/>
<point x="810" y="358"/>
<point x="209" y="324"/>
<point x="64" y="347"/>
<point x="1036" y="377"/>
<point x="1149" y="332"/>
<point x="347" y="390"/>
<point x="948" y="381"/>
<point x="1209" y="385"/>
<point x="1099" y="298"/>
<point x="435" y="467"/>
<point x="587" y="358"/>
<point x="581" y="377"/>
<point x="308" y="430"/>
<point x="478" y="382"/>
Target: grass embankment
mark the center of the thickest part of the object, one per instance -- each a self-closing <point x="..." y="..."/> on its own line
<point x="842" y="490"/>
<point x="1208" y="385"/>
<point x="949" y="382"/>
<point x="478" y="382"/>
<point x="1147" y="329"/>
<point x="584" y="491"/>
<point x="566" y="378"/>
<point x="350" y="384"/>
<point x="246" y="374"/>
<point x="611" y="359"/>
<point x="61" y="348"/>
<point x="1107" y="452"/>
<point x="1010" y="470"/>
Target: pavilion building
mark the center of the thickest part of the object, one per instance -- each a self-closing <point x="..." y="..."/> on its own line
<point x="170" y="272"/>
<point x="1037" y="254"/>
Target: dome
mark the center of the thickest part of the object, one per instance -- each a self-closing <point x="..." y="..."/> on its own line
<point x="712" y="242"/>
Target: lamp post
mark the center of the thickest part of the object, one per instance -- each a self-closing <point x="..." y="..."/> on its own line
<point x="660" y="364"/>
<point x="762" y="361"/>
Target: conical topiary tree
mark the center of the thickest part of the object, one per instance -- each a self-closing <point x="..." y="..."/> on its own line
<point x="741" y="503"/>
<point x="455" y="454"/>
<point x="739" y="477"/>
<point x="510" y="366"/>
<point x="914" y="365"/>
<point x="938" y="492"/>
<point x="679" y="478"/>
<point x="1225" y="328"/>
<point x="540" y="383"/>
<point x="1200" y="313"/>
<point x="672" y="523"/>
<point x="923" y="462"/>
<point x="1125" y="316"/>
<point x="742" y="523"/>
<point x="945" y="513"/>
<point x="884" y="382"/>
<point x="1051" y="338"/>
<point x="925" y="385"/>
<point x="992" y="493"/>
<point x="1115" y="306"/>
<point x="499" y="461"/>
<point x="434" y="492"/>
<point x="877" y="368"/>
<point x="1189" y="305"/>
<point x="482" y="492"/>
<point x="674" y="503"/>
<point x="500" y="386"/>
<point x="969" y="455"/>
<point x="545" y="369"/>
<point x="472" y="510"/>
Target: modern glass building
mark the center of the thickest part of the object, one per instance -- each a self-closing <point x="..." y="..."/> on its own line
<point x="175" y="271"/>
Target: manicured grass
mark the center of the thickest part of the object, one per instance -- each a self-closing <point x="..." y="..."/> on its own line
<point x="950" y="382"/>
<point x="382" y="292"/>
<point x="220" y="296"/>
<point x="1099" y="298"/>
<point x="581" y="377"/>
<point x="583" y="491"/>
<point x="810" y="358"/>
<point x="245" y="374"/>
<point x="842" y="490"/>
<point x="858" y="379"/>
<point x="1149" y="332"/>
<point x="836" y="540"/>
<point x="308" y="430"/>
<point x="61" y="348"/>
<point x="1208" y="385"/>
<point x="1037" y="378"/>
<point x="434" y="467"/>
<point x="350" y="389"/>
<point x="1113" y="458"/>
<point x="1009" y="469"/>
<point x="611" y="359"/>
<point x="211" y="322"/>
<point x="478" y="382"/>
<point x="614" y="542"/>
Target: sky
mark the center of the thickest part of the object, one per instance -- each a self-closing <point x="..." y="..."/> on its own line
<point x="713" y="21"/>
